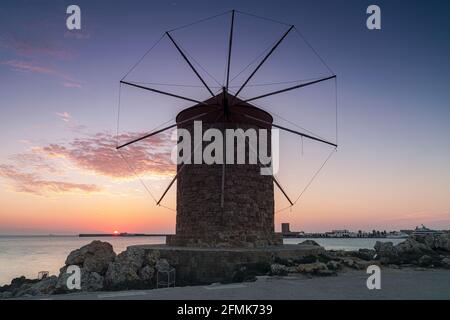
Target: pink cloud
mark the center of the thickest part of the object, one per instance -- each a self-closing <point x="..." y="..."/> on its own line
<point x="94" y="154"/>
<point x="69" y="84"/>
<point x="31" y="183"/>
<point x="65" y="116"/>
<point x="98" y="154"/>
<point x="28" y="48"/>
<point x="28" y="66"/>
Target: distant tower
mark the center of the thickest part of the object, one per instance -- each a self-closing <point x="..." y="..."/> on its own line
<point x="285" y="228"/>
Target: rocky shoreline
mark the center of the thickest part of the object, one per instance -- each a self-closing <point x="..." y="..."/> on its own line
<point x="103" y="270"/>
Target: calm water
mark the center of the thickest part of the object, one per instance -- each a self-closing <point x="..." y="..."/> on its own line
<point x="29" y="255"/>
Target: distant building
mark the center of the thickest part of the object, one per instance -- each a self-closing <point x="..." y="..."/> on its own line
<point x="285" y="229"/>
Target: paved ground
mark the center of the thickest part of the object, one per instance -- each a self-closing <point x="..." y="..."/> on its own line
<point x="395" y="284"/>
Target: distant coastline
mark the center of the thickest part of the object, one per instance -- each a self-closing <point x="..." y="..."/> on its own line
<point x="124" y="234"/>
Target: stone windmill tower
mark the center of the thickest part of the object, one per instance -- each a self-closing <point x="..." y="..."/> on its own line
<point x="225" y="205"/>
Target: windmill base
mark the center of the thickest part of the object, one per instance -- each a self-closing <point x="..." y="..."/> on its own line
<point x="196" y="266"/>
<point x="226" y="240"/>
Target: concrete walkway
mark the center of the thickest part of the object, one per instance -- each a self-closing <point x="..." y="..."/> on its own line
<point x="395" y="284"/>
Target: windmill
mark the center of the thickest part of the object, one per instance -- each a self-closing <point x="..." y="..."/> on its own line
<point x="222" y="205"/>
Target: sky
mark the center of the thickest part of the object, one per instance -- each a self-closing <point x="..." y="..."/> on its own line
<point x="60" y="173"/>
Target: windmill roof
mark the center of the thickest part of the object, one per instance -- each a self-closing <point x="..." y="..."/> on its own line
<point x="239" y="111"/>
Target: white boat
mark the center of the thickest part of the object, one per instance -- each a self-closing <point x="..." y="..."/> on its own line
<point x="423" y="231"/>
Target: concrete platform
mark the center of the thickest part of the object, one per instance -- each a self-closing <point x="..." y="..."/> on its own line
<point x="195" y="265"/>
<point x="395" y="284"/>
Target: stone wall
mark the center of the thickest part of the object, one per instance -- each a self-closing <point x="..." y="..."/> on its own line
<point x="209" y="265"/>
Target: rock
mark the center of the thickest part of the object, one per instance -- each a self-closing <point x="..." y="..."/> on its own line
<point x="310" y="243"/>
<point x="121" y="276"/>
<point x="16" y="283"/>
<point x="385" y="249"/>
<point x="352" y="262"/>
<point x="365" y="254"/>
<point x="46" y="285"/>
<point x="306" y="259"/>
<point x="93" y="257"/>
<point x="90" y="281"/>
<point x="151" y="258"/>
<point x="61" y="284"/>
<point x="248" y="272"/>
<point x="5" y="295"/>
<point x="126" y="270"/>
<point x="241" y="274"/>
<point x="427" y="240"/>
<point x="408" y="251"/>
<point x="43" y="287"/>
<point x="425" y="261"/>
<point x="278" y="269"/>
<point x="411" y="247"/>
<point x="292" y="269"/>
<point x="446" y="263"/>
<point x="442" y="242"/>
<point x="147" y="273"/>
<point x="334" y="265"/>
<point x="311" y="268"/>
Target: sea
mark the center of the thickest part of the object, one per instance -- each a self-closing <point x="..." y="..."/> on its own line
<point x="28" y="255"/>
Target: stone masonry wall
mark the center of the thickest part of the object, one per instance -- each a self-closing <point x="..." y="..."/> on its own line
<point x="247" y="217"/>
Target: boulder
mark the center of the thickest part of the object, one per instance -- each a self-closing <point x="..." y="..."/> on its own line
<point x="134" y="269"/>
<point x="425" y="261"/>
<point x="43" y="287"/>
<point x="334" y="265"/>
<point x="411" y="247"/>
<point x="17" y="283"/>
<point x="121" y="276"/>
<point x="311" y="268"/>
<point x="5" y="295"/>
<point x="445" y="262"/>
<point x="352" y="262"/>
<point x="93" y="257"/>
<point x="147" y="273"/>
<point x="310" y="243"/>
<point x="385" y="249"/>
<point x="278" y="269"/>
<point x="21" y="287"/>
<point x="152" y="257"/>
<point x="90" y="281"/>
<point x="365" y="254"/>
<point x="442" y="242"/>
